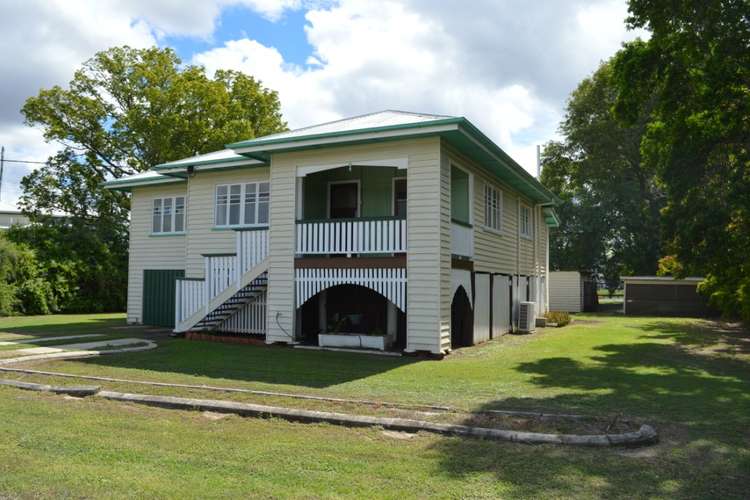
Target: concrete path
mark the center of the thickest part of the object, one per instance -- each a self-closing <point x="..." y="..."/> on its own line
<point x="34" y="340"/>
<point x="81" y="350"/>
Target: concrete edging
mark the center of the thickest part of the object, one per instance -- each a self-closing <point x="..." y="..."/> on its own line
<point x="645" y="435"/>
<point x="74" y="390"/>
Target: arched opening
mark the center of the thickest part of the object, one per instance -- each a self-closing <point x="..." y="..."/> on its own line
<point x="352" y="309"/>
<point x="462" y="320"/>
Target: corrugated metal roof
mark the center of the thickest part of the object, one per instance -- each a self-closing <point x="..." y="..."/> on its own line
<point x="386" y="118"/>
<point x="144" y="178"/>
<point x="224" y="155"/>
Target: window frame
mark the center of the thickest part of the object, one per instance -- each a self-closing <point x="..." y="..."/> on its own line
<point x="172" y="215"/>
<point x="499" y="209"/>
<point x="470" y="181"/>
<point x="393" y="193"/>
<point x="529" y="232"/>
<point x="242" y="204"/>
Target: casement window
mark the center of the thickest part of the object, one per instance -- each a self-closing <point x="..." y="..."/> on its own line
<point x="168" y="216"/>
<point x="525" y="222"/>
<point x="493" y="208"/>
<point x="242" y="204"/>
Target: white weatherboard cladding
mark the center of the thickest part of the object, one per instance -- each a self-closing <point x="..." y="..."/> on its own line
<point x="428" y="223"/>
<point x="500" y="305"/>
<point x="565" y="291"/>
<point x="461" y="277"/>
<point x="481" y="308"/>
<point x="146" y="251"/>
<point x="203" y="237"/>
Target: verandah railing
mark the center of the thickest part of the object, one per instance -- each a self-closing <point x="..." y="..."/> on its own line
<point x="349" y="236"/>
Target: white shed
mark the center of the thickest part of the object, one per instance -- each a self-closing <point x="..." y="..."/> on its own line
<point x="565" y="291"/>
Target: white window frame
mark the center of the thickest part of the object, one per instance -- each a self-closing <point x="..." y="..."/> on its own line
<point x="528" y="233"/>
<point x="243" y="191"/>
<point x="499" y="209"/>
<point x="173" y="215"/>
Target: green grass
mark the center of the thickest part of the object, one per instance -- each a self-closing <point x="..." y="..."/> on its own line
<point x="690" y="378"/>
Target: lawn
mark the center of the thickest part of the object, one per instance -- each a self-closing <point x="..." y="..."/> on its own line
<point x="689" y="378"/>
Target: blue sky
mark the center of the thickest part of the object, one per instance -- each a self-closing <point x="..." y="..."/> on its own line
<point x="507" y="65"/>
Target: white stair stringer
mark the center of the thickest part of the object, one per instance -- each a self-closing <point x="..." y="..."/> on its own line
<point x="245" y="281"/>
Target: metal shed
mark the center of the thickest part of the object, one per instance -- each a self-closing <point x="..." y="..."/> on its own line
<point x="571" y="291"/>
<point x="664" y="296"/>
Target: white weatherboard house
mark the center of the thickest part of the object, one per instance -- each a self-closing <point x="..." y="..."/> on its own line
<point x="397" y="230"/>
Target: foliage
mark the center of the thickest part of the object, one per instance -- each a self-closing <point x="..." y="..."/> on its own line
<point x="670" y="266"/>
<point x="124" y="111"/>
<point x="23" y="287"/>
<point x="696" y="64"/>
<point x="559" y="318"/>
<point x="611" y="199"/>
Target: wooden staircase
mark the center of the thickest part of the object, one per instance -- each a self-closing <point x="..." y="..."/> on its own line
<point x="230" y="283"/>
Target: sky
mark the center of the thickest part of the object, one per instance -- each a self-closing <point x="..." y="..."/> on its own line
<point x="506" y="65"/>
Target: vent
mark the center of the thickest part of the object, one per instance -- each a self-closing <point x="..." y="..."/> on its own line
<point x="527" y="317"/>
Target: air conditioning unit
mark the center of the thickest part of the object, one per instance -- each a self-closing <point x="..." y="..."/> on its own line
<point x="527" y="317"/>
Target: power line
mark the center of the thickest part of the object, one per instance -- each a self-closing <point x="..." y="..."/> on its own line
<point x="25" y="161"/>
<point x="4" y="160"/>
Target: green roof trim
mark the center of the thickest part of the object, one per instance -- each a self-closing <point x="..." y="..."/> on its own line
<point x="199" y="163"/>
<point x="125" y="184"/>
<point x="387" y="128"/>
<point x="550" y="217"/>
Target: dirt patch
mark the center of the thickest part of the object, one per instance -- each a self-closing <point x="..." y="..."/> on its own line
<point x="399" y="435"/>
<point x="213" y="416"/>
<point x="576" y="321"/>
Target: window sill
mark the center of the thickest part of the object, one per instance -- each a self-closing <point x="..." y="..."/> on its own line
<point x="491" y="230"/>
<point x="527" y="237"/>
<point x="165" y="235"/>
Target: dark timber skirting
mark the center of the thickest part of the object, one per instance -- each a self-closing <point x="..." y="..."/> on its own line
<point x="351" y="263"/>
<point x="466" y="265"/>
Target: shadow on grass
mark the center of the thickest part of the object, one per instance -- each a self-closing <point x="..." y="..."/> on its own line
<point x="55" y="326"/>
<point x="266" y="364"/>
<point x="699" y="403"/>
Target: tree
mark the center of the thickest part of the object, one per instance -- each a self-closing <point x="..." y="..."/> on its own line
<point x="611" y="198"/>
<point x="124" y="111"/>
<point x="696" y="65"/>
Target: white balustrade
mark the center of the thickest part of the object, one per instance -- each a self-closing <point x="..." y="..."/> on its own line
<point x="221" y="271"/>
<point x="191" y="296"/>
<point x="352" y="236"/>
<point x="252" y="248"/>
<point x="389" y="282"/>
<point x="462" y="240"/>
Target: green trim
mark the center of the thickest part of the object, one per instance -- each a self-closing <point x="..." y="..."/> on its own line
<point x="182" y="163"/>
<point x="352" y="219"/>
<point x="165" y="235"/>
<point x="343" y="133"/>
<point x="254" y="228"/>
<point x="190" y="279"/>
<point x="125" y="185"/>
<point x="218" y="255"/>
<point x="462" y="223"/>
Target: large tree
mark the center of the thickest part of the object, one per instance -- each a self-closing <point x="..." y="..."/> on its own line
<point x="696" y="64"/>
<point x="611" y="199"/>
<point x="124" y="111"/>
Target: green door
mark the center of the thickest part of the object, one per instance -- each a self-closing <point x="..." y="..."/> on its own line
<point x="159" y="296"/>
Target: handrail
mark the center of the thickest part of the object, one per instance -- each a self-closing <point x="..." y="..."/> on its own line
<point x="350" y="219"/>
<point x="351" y="236"/>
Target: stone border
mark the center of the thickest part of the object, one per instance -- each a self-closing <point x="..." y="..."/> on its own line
<point x="645" y="435"/>
<point x="74" y="390"/>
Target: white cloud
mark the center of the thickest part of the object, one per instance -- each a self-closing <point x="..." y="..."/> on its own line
<point x="506" y="67"/>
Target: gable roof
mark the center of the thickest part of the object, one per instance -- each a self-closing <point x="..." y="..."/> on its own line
<point x="143" y="179"/>
<point x="225" y="158"/>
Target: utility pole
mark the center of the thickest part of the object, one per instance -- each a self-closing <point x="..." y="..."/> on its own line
<point x="2" y="167"/>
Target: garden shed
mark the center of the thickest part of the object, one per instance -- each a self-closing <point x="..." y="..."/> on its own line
<point x="664" y="296"/>
<point x="571" y="291"/>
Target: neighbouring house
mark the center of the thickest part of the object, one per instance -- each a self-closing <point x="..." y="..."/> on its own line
<point x="572" y="291"/>
<point x="664" y="296"/>
<point x="11" y="217"/>
<point x="390" y="230"/>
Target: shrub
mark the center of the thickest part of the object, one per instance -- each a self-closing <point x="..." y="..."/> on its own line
<point x="560" y="318"/>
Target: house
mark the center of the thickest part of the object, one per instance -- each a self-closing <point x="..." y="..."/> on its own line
<point x="11" y="217"/>
<point x="393" y="230"/>
<point x="572" y="291"/>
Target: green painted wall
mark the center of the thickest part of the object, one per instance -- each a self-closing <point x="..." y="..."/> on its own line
<point x="376" y="190"/>
<point x="159" y="296"/>
<point x="459" y="195"/>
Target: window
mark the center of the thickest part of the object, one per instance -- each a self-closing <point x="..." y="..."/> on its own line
<point x="399" y="198"/>
<point x="525" y="221"/>
<point x="242" y="204"/>
<point x="168" y="215"/>
<point x="493" y="208"/>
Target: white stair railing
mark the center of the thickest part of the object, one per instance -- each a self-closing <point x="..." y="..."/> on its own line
<point x="387" y="235"/>
<point x="221" y="272"/>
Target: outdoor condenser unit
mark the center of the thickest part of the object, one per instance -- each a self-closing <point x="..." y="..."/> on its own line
<point x="527" y="317"/>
